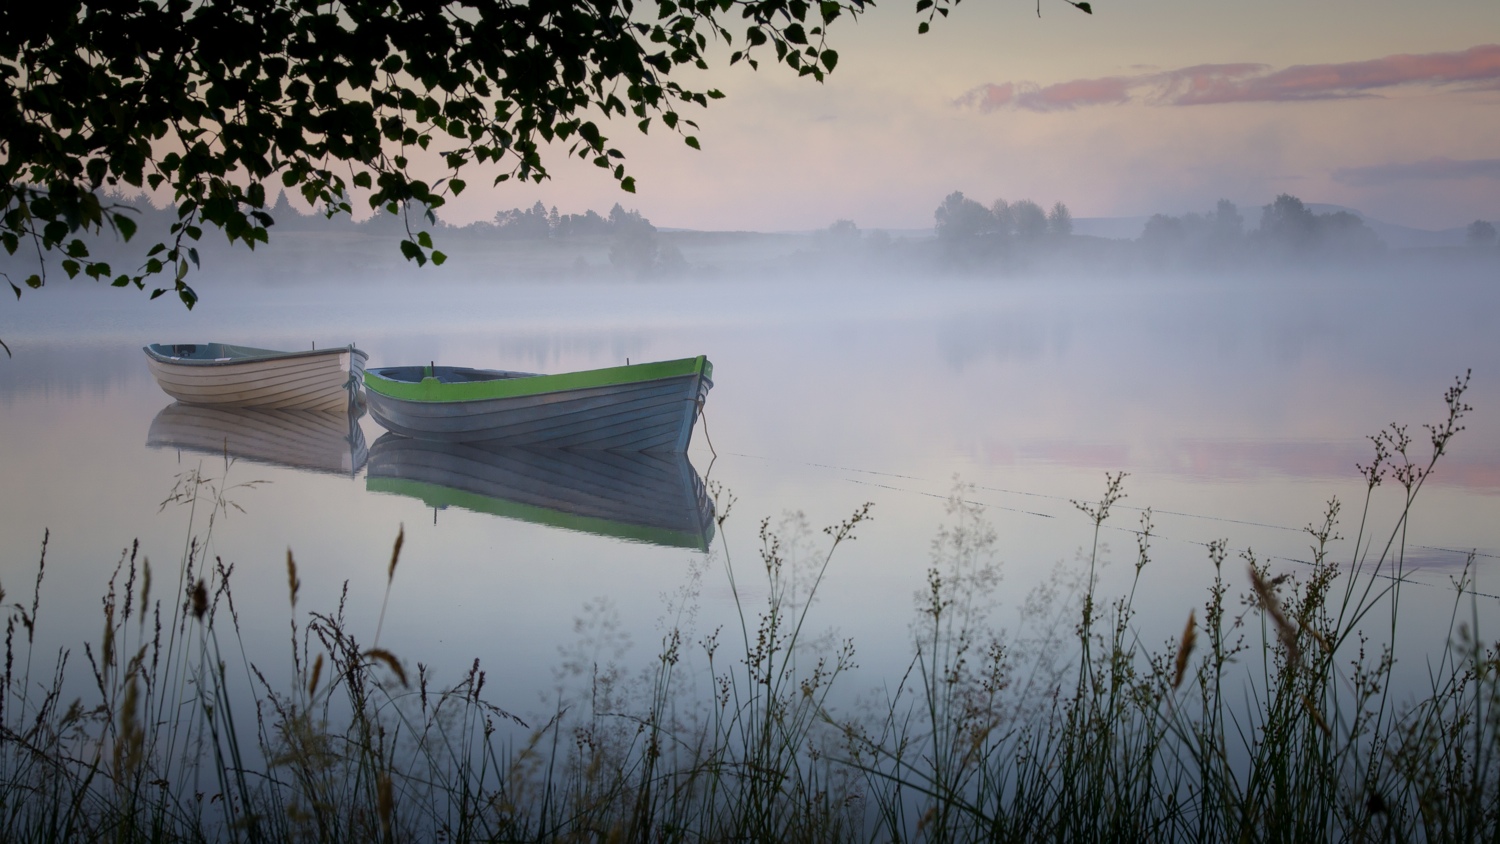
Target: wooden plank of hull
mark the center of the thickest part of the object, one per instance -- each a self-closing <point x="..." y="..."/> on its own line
<point x="232" y="380"/>
<point x="644" y="416"/>
<point x="309" y="392"/>
<point x="301" y="439"/>
<point x="561" y="419"/>
<point x="308" y="382"/>
<point x="658" y="492"/>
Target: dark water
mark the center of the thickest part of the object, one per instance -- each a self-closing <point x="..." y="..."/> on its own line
<point x="1236" y="410"/>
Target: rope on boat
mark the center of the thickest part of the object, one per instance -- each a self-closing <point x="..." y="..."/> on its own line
<point x="703" y="417"/>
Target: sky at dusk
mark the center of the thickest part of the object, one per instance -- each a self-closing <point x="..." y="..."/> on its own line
<point x="1147" y="106"/>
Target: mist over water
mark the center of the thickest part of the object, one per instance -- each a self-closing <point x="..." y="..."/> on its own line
<point x="1236" y="406"/>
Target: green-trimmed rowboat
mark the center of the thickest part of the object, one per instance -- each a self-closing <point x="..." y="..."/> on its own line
<point x="641" y="407"/>
<point x="636" y="496"/>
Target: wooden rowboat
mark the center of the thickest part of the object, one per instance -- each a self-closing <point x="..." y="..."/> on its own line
<point x="642" y="407"/>
<point x="312" y="440"/>
<point x="635" y="496"/>
<point x="240" y="376"/>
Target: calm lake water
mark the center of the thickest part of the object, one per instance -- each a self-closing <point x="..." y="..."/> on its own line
<point x="1237" y="410"/>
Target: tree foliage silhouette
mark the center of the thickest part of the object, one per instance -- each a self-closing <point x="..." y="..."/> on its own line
<point x="215" y="101"/>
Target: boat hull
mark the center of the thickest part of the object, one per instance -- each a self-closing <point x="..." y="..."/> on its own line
<point x="325" y="379"/>
<point x="640" y="497"/>
<point x="649" y="415"/>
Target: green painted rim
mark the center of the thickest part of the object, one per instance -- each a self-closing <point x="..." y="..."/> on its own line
<point x="431" y="390"/>
<point x="437" y="495"/>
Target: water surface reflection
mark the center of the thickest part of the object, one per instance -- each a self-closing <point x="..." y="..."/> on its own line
<point x="1237" y="411"/>
<point x="654" y="498"/>
<point x="317" y="441"/>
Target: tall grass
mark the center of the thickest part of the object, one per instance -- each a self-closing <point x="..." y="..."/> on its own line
<point x="1272" y="717"/>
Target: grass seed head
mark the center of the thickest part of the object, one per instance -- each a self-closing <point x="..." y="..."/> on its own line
<point x="145" y="586"/>
<point x="199" y="598"/>
<point x="391" y="662"/>
<point x="292" y="583"/>
<point x="1185" y="649"/>
<point x="390" y="574"/>
<point x="1265" y="591"/>
<point x="317" y="672"/>
<point x="385" y="803"/>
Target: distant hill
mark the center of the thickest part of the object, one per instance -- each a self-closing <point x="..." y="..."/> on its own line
<point x="1396" y="236"/>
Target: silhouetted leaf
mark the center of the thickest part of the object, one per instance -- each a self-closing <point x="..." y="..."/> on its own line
<point x="124" y="225"/>
<point x="413" y="252"/>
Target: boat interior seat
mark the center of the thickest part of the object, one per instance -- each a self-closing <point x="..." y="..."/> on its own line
<point x="445" y="374"/>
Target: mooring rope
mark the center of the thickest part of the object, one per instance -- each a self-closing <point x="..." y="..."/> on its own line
<point x="1403" y="578"/>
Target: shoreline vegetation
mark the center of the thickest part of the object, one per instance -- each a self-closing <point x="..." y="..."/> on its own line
<point x="969" y="239"/>
<point x="1272" y="717"/>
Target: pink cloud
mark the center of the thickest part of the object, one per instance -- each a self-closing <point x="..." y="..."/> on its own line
<point x="1353" y="79"/>
<point x="1060" y="97"/>
<point x="989" y="97"/>
<point x="1246" y="83"/>
<point x="1173" y="86"/>
<point x="1065" y="96"/>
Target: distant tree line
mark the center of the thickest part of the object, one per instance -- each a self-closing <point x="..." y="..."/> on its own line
<point x="1002" y="236"/>
<point x="1288" y="231"/>
<point x="634" y="246"/>
<point x="969" y="233"/>
<point x="539" y="223"/>
<point x="1195" y="238"/>
<point x="843" y="239"/>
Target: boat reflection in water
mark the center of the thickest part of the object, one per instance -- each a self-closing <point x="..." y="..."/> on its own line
<point x="311" y="440"/>
<point x="637" y="496"/>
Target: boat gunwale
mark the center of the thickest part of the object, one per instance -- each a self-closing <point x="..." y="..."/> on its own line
<point x="255" y="355"/>
<point x="431" y="391"/>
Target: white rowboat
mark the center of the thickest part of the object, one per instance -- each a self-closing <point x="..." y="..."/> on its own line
<point x="240" y="376"/>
